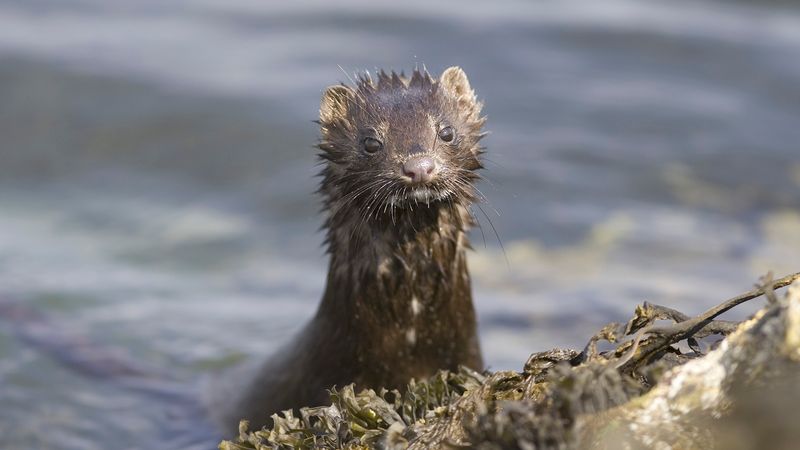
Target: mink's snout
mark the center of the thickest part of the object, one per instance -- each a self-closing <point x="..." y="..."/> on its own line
<point x="420" y="169"/>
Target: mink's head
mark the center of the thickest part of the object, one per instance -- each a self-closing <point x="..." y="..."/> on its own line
<point x="399" y="145"/>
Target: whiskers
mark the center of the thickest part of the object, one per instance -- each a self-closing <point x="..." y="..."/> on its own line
<point x="477" y="199"/>
<point x="386" y="201"/>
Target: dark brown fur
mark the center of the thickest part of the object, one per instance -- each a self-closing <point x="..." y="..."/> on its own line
<point x="398" y="300"/>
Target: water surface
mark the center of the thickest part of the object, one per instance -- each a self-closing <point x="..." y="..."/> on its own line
<point x="157" y="180"/>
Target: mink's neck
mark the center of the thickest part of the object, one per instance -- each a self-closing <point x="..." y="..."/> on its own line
<point x="399" y="287"/>
<point x="393" y="246"/>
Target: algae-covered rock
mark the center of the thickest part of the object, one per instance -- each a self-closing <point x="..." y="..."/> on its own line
<point x="647" y="392"/>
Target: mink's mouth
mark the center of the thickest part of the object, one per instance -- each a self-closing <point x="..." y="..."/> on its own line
<point x="422" y="195"/>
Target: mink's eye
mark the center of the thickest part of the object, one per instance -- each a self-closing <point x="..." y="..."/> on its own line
<point x="372" y="145"/>
<point x="447" y="134"/>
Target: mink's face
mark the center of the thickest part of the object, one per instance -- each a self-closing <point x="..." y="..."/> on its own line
<point x="401" y="144"/>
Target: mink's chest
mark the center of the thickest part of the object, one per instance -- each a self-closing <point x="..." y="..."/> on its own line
<point x="417" y="281"/>
<point x="416" y="305"/>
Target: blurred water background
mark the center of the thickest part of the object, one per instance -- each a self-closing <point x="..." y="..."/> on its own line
<point x="157" y="178"/>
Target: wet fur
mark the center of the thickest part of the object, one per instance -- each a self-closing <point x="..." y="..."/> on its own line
<point x="397" y="304"/>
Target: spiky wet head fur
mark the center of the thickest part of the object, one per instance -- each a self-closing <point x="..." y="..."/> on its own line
<point x="368" y="190"/>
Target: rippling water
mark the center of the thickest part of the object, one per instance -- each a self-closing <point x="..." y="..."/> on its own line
<point x="157" y="178"/>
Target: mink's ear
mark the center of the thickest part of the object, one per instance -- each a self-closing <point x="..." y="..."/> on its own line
<point x="454" y="81"/>
<point x="336" y="101"/>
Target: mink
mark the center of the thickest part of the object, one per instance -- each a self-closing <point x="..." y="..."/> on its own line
<point x="400" y="158"/>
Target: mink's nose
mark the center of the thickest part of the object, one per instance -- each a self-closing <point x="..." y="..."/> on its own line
<point x="421" y="169"/>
